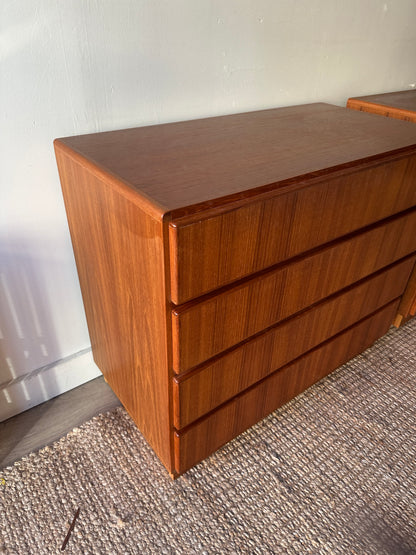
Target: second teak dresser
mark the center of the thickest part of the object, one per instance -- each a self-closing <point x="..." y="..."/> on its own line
<point x="398" y="105"/>
<point x="227" y="264"/>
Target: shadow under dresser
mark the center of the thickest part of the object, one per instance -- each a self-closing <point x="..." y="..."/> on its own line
<point x="228" y="263"/>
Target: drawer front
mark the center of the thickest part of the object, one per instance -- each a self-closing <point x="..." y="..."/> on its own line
<point x="201" y="439"/>
<point x="214" y="251"/>
<point x="204" y="329"/>
<point x="202" y="390"/>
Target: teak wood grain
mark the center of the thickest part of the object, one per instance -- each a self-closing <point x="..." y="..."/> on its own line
<point x="202" y="438"/>
<point x="398" y="105"/>
<point x="200" y="391"/>
<point x="207" y="327"/>
<point x="210" y="252"/>
<point x="193" y="240"/>
<point x="189" y="166"/>
<point x="117" y="248"/>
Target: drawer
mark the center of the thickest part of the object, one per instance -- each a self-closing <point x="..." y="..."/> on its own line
<point x="203" y="329"/>
<point x="202" y="438"/>
<point x="197" y="392"/>
<point x="208" y="252"/>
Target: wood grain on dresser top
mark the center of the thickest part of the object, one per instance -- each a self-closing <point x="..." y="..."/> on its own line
<point x="199" y="391"/>
<point x="399" y="104"/>
<point x="188" y="166"/>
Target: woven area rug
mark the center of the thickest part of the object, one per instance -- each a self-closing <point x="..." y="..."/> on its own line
<point x="333" y="471"/>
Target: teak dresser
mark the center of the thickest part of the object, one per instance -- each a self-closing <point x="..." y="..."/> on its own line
<point x="228" y="263"/>
<point x="398" y="105"/>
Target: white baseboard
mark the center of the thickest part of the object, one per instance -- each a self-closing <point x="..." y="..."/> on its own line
<point x="41" y="385"/>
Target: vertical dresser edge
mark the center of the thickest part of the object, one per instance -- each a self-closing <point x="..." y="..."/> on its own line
<point x="160" y="439"/>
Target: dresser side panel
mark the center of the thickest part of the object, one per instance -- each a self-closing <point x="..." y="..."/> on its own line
<point x="119" y="251"/>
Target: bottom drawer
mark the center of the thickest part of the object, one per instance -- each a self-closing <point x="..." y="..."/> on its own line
<point x="199" y="440"/>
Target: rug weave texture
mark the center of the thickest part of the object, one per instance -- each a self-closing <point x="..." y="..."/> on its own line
<point x="333" y="471"/>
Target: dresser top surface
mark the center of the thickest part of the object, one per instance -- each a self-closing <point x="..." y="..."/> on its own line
<point x="194" y="163"/>
<point x="402" y="100"/>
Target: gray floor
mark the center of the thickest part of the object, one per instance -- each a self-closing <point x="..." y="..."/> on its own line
<point x="49" y="421"/>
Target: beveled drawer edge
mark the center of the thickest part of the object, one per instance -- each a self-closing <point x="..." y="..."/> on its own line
<point x="172" y="274"/>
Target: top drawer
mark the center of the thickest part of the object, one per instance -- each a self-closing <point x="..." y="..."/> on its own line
<point x="211" y="251"/>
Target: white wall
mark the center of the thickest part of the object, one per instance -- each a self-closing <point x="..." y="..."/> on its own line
<point x="78" y="66"/>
